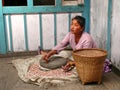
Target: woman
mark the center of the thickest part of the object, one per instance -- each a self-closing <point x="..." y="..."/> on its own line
<point x="76" y="38"/>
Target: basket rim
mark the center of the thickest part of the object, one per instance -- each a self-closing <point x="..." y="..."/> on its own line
<point x="105" y="52"/>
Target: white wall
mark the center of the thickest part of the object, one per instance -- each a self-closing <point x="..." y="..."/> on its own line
<point x="115" y="34"/>
<point x="98" y="21"/>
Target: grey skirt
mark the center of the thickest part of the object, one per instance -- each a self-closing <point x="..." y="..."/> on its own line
<point x="54" y="62"/>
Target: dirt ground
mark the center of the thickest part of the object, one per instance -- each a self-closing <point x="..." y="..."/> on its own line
<point x="9" y="80"/>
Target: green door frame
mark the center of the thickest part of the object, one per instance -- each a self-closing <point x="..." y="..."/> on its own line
<point x="84" y="9"/>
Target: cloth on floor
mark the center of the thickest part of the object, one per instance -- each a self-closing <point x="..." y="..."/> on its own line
<point x="107" y="66"/>
<point x="30" y="71"/>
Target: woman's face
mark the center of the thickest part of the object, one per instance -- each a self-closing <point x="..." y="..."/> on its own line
<point x="75" y="27"/>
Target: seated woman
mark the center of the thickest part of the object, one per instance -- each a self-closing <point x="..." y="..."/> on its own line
<point x="76" y="38"/>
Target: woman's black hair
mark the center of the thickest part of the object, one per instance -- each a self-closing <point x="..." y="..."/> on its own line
<point x="80" y="20"/>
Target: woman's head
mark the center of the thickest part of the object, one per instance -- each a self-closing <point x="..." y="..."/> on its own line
<point x="77" y="25"/>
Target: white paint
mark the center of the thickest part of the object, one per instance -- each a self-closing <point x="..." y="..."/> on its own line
<point x="67" y="3"/>
<point x="72" y="2"/>
<point x="75" y="14"/>
<point x="80" y="1"/>
<point x="62" y="26"/>
<point x="33" y="31"/>
<point x="98" y="21"/>
<point x="18" y="32"/>
<point x="115" y="34"/>
<point x="48" y="30"/>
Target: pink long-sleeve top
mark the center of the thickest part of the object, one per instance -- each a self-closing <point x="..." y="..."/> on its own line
<point x="85" y="41"/>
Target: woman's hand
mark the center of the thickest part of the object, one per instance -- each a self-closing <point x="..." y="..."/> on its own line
<point x="49" y="54"/>
<point x="69" y="66"/>
<point x="45" y="57"/>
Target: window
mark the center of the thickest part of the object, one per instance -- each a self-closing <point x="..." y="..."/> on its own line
<point x="72" y="2"/>
<point x="15" y="2"/>
<point x="35" y="6"/>
<point x="24" y="2"/>
<point x="40" y="2"/>
<point x="43" y="2"/>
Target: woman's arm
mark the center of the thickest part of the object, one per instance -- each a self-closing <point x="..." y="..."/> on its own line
<point x="62" y="44"/>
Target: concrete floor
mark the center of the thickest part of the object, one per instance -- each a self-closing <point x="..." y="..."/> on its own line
<point x="9" y="80"/>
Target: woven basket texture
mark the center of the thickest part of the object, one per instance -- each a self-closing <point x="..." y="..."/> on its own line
<point x="89" y="64"/>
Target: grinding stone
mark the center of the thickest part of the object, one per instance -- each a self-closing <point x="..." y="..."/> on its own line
<point x="54" y="62"/>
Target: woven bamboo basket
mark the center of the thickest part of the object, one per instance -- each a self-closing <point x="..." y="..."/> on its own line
<point x="89" y="64"/>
